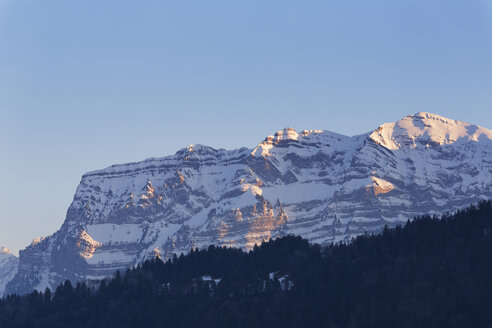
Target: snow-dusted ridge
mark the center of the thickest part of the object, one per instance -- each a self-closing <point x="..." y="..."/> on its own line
<point x="426" y="128"/>
<point x="318" y="184"/>
<point x="8" y="267"/>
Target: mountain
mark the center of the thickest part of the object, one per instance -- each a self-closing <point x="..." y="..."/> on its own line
<point x="8" y="267"/>
<point x="321" y="185"/>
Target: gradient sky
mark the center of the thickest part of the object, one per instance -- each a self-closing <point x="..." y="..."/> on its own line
<point x="86" y="84"/>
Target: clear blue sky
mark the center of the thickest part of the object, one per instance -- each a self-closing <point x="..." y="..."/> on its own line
<point x="85" y="84"/>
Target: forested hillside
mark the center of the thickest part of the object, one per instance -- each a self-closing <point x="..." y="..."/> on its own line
<point x="432" y="272"/>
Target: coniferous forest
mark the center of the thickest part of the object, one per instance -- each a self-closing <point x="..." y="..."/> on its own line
<point x="431" y="272"/>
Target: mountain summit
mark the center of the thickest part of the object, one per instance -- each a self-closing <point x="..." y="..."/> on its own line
<point x="426" y="129"/>
<point x="321" y="185"/>
<point x="4" y="250"/>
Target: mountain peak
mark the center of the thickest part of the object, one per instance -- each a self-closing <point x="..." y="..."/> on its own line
<point x="430" y="116"/>
<point x="5" y="250"/>
<point x="196" y="149"/>
<point x="284" y="134"/>
<point x="427" y="129"/>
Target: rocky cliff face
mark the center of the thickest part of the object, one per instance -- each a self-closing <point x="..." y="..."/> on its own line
<point x="321" y="185"/>
<point x="8" y="267"/>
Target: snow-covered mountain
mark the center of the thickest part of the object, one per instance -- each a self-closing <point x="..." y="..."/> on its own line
<point x="318" y="184"/>
<point x="8" y="267"/>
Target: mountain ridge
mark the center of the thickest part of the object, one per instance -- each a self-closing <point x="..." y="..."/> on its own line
<point x="8" y="267"/>
<point x="318" y="184"/>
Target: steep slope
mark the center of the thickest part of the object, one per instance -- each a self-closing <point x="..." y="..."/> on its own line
<point x="8" y="267"/>
<point x="321" y="185"/>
